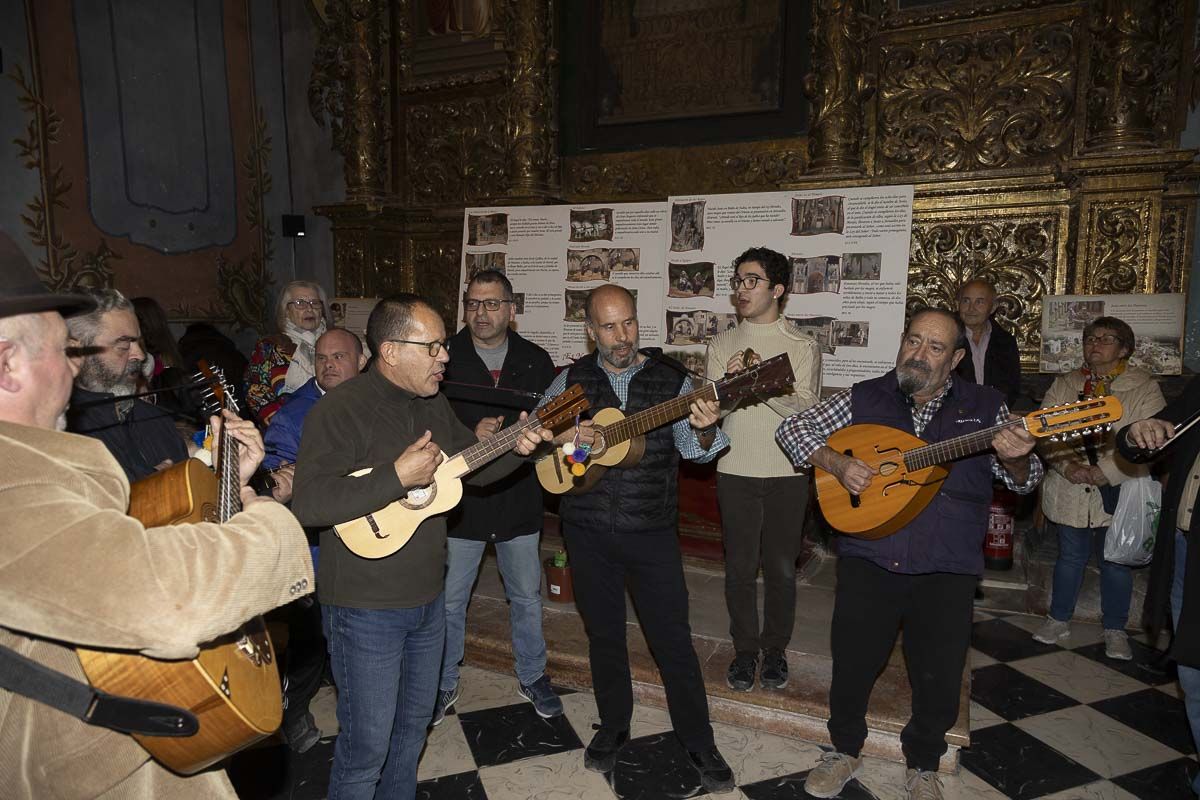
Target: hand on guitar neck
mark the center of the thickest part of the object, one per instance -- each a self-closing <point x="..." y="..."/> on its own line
<point x="250" y="450"/>
<point x="420" y="460"/>
<point x="1013" y="446"/>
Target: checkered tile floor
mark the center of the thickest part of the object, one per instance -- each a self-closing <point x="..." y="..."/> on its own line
<point x="1047" y="721"/>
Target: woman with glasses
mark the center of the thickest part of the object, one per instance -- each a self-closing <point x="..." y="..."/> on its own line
<point x="1082" y="484"/>
<point x="283" y="362"/>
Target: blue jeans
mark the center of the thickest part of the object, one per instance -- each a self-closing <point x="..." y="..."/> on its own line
<point x="385" y="663"/>
<point x="1075" y="547"/>
<point x="521" y="568"/>
<point x="1189" y="677"/>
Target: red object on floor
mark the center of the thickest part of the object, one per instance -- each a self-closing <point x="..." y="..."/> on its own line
<point x="998" y="542"/>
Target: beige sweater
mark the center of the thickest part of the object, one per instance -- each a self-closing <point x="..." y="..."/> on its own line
<point x="1080" y="505"/>
<point x="751" y="424"/>
<point x="74" y="568"/>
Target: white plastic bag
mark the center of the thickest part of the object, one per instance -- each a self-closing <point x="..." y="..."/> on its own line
<point x="1130" y="537"/>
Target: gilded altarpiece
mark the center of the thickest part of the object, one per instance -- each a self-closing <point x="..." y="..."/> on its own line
<point x="1042" y="137"/>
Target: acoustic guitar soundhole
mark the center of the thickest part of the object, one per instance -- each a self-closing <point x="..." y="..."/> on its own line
<point x="888" y="468"/>
<point x="417" y="499"/>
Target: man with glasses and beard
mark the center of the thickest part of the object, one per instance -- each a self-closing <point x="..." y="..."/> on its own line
<point x="108" y="353"/>
<point x="923" y="576"/>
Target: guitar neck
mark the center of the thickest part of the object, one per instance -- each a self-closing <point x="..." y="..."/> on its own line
<point x="229" y="484"/>
<point x="655" y="417"/>
<point x="959" y="447"/>
<point x="491" y="448"/>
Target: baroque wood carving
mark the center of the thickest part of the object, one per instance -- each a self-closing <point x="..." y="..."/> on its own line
<point x="1173" y="240"/>
<point x="1000" y="98"/>
<point x="436" y="273"/>
<point x="839" y="86"/>
<point x="455" y="151"/>
<point x="1119" y="234"/>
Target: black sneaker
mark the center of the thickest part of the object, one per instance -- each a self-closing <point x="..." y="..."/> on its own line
<point x="301" y="733"/>
<point x="445" y="701"/>
<point x="715" y="774"/>
<point x="601" y="754"/>
<point x="774" y="669"/>
<point x="740" y="676"/>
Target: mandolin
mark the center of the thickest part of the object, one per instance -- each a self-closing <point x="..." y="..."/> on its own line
<point x="619" y="441"/>
<point x="385" y="531"/>
<point x="909" y="472"/>
<point x="232" y="686"/>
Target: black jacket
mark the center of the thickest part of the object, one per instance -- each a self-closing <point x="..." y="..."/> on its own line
<point x="145" y="438"/>
<point x="512" y="506"/>
<point x="1178" y="461"/>
<point x="1001" y="364"/>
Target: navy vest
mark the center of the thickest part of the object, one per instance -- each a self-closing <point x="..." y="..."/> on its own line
<point x="948" y="535"/>
<point x="643" y="498"/>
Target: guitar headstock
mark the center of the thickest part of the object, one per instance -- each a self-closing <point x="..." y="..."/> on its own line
<point x="1072" y="420"/>
<point x="768" y="377"/>
<point x="217" y="394"/>
<point x="563" y="408"/>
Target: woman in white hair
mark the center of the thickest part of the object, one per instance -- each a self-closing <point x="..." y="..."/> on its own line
<point x="283" y="362"/>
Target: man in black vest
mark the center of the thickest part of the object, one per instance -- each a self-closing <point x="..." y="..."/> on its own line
<point x="508" y="513"/>
<point x="923" y="576"/>
<point x="624" y="530"/>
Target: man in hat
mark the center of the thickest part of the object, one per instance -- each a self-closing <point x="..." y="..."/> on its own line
<point x="75" y="570"/>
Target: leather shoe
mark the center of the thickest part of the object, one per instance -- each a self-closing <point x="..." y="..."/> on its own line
<point x="715" y="774"/>
<point x="601" y="754"/>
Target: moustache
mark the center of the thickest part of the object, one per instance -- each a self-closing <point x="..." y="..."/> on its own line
<point x="913" y="363"/>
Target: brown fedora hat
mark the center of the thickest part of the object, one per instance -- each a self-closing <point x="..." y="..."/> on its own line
<point x="22" y="293"/>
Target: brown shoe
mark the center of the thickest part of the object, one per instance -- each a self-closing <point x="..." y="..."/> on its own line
<point x="829" y="777"/>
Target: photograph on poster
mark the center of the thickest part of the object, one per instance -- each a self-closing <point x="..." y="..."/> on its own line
<point x="625" y="259"/>
<point x="485" y="229"/>
<point x="687" y="226"/>
<point x="691" y="280"/>
<point x="588" y="265"/>
<point x="576" y="299"/>
<point x="695" y="327"/>
<point x="519" y="302"/>
<point x="1072" y="314"/>
<point x="818" y="328"/>
<point x="692" y="360"/>
<point x="475" y="269"/>
<point x="816" y="215"/>
<point x="337" y="314"/>
<point x="850" y="334"/>
<point x="816" y="275"/>
<point x="592" y="224"/>
<point x="861" y="266"/>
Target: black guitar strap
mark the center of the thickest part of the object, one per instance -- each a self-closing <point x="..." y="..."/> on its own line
<point x="24" y="676"/>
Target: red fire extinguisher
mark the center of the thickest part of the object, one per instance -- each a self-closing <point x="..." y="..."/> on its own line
<point x="998" y="543"/>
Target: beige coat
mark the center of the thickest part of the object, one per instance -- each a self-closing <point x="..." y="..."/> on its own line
<point x="1080" y="505"/>
<point x="75" y="568"/>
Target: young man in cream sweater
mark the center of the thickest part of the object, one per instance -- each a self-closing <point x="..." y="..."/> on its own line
<point x="761" y="495"/>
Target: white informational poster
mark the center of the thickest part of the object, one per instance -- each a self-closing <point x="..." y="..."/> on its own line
<point x="555" y="255"/>
<point x="849" y="254"/>
<point x="351" y="313"/>
<point x="1156" y="319"/>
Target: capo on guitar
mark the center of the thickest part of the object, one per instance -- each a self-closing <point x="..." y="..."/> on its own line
<point x="576" y="452"/>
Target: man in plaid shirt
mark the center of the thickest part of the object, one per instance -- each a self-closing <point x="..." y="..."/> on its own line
<point x="923" y="576"/>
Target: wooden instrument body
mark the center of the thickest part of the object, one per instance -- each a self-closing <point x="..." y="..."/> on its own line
<point x="385" y="531"/>
<point x="895" y="495"/>
<point x="554" y="473"/>
<point x="232" y="686"/>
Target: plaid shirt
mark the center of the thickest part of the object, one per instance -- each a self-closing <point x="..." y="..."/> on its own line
<point x="686" y="440"/>
<point x="801" y="435"/>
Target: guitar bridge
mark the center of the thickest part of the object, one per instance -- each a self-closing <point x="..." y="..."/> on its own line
<point x="253" y="648"/>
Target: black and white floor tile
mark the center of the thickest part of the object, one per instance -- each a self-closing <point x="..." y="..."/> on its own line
<point x="1048" y="721"/>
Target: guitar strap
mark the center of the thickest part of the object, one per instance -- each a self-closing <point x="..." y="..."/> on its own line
<point x="24" y="676"/>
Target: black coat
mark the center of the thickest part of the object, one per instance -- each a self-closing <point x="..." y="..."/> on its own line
<point x="1001" y="364"/>
<point x="1178" y="459"/>
<point x="141" y="441"/>
<point x="512" y="506"/>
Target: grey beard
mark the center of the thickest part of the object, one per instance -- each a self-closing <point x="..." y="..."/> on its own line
<point x="910" y="382"/>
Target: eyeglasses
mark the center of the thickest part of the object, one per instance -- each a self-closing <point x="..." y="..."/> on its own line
<point x="433" y="347"/>
<point x="315" y="305"/>
<point x="1107" y="338"/>
<point x="491" y="304"/>
<point x="745" y="282"/>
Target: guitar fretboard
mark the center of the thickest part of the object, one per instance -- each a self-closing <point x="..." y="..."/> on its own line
<point x="645" y="421"/>
<point x="493" y="447"/>
<point x="229" y="484"/>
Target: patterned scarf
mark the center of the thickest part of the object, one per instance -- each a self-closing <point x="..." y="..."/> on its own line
<point x="1099" y="385"/>
<point x="303" y="364"/>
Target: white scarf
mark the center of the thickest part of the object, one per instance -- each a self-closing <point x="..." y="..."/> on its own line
<point x="303" y="364"/>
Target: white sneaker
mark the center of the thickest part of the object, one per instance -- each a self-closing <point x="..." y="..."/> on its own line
<point x="829" y="777"/>
<point x="1116" y="645"/>
<point x="923" y="785"/>
<point x="1053" y="631"/>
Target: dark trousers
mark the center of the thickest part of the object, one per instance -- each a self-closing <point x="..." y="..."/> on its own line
<point x="870" y="606"/>
<point x="762" y="521"/>
<point x="601" y="565"/>
<point x="306" y="653"/>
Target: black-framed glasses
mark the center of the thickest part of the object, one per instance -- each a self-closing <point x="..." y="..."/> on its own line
<point x="1107" y="338"/>
<point x="315" y="305"/>
<point x="491" y="304"/>
<point x="433" y="347"/>
<point x="745" y="282"/>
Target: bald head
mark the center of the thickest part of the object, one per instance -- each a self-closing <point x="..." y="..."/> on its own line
<point x="612" y="323"/>
<point x="339" y="357"/>
<point x="35" y="374"/>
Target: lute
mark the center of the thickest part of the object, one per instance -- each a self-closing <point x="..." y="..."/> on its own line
<point x="909" y="471"/>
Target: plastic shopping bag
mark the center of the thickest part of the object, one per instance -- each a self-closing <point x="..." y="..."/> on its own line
<point x="1130" y="537"/>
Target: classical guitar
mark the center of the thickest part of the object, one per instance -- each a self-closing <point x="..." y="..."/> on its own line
<point x="619" y="439"/>
<point x="385" y="531"/>
<point x="909" y="472"/>
<point x="232" y="686"/>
